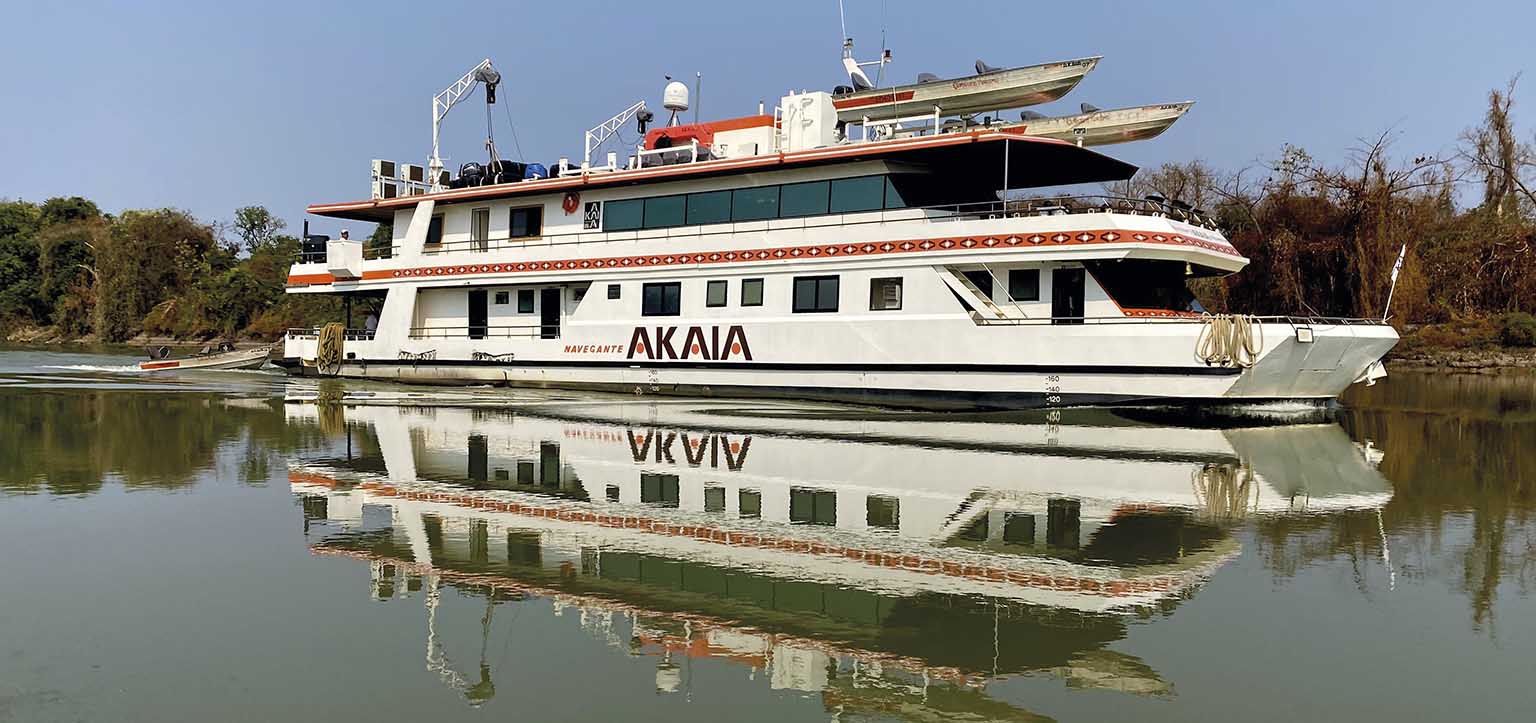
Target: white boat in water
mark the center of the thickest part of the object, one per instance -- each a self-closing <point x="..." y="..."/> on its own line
<point x="1102" y="127"/>
<point x="224" y="358"/>
<point x="776" y="255"/>
<point x="995" y="89"/>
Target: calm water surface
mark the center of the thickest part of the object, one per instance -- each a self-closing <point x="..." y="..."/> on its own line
<point x="238" y="546"/>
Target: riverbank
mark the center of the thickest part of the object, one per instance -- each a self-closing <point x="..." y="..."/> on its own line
<point x="49" y="337"/>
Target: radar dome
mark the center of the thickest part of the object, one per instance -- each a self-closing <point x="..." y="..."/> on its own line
<point x="675" y="97"/>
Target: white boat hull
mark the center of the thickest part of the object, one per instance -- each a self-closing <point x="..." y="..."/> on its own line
<point x="1014" y="375"/>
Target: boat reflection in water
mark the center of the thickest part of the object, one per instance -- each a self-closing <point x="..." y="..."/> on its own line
<point x="890" y="565"/>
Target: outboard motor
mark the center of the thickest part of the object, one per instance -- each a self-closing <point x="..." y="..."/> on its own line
<point x="506" y="171"/>
<point x="472" y="173"/>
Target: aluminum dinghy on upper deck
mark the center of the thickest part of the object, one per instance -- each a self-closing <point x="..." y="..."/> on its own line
<point x="1102" y="127"/>
<point x="989" y="91"/>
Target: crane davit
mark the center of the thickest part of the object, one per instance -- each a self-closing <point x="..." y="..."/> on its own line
<point x="447" y="99"/>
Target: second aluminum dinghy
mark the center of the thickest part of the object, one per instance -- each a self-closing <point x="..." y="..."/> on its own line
<point x="1102" y="127"/>
<point x="988" y="91"/>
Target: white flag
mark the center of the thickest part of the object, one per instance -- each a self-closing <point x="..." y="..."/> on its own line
<point x="1398" y="267"/>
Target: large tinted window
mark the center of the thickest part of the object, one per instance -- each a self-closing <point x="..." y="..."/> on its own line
<point x="661" y="299"/>
<point x="1024" y="284"/>
<point x="712" y="207"/>
<point x="858" y="194"/>
<point x="815" y="294"/>
<point x="893" y="196"/>
<point x="435" y="230"/>
<point x="755" y="204"/>
<point x="803" y="199"/>
<point x="623" y="215"/>
<point x="525" y="222"/>
<point x="664" y="211"/>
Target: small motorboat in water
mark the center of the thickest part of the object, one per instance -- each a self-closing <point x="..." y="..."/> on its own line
<point x="223" y="356"/>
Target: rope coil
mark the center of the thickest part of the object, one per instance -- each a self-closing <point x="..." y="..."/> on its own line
<point x="1229" y="340"/>
<point x="329" y="350"/>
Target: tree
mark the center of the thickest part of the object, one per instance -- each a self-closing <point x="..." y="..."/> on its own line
<point x="19" y="222"/>
<point x="257" y="227"/>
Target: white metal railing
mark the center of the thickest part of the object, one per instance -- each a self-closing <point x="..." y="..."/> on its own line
<point x="520" y="331"/>
<point x="984" y="210"/>
<point x="1181" y="318"/>
<point x="313" y="333"/>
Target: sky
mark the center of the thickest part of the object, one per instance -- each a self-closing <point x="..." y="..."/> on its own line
<point x="208" y="107"/>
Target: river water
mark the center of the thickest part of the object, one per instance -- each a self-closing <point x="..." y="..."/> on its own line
<point x="240" y="546"/>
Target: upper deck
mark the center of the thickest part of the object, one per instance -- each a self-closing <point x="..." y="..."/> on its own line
<point x="996" y="156"/>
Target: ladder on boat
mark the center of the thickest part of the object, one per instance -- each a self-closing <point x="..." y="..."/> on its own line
<point x="983" y="307"/>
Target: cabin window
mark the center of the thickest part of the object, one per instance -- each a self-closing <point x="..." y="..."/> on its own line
<point x="755" y="204"/>
<point x="714" y="499"/>
<point x="435" y="231"/>
<point x="480" y="229"/>
<point x="659" y="489"/>
<point x="1024" y="284"/>
<point x="664" y="211"/>
<point x="624" y="215"/>
<point x="858" y="194"/>
<point x="882" y="513"/>
<point x="803" y="199"/>
<point x="578" y="293"/>
<point x="749" y="503"/>
<point x="885" y="294"/>
<point x="664" y="299"/>
<point x="751" y="292"/>
<point x="613" y="291"/>
<point x="712" y="207"/>
<point x="526" y="222"/>
<point x="503" y="298"/>
<point x="715" y="293"/>
<point x="814" y="507"/>
<point x="1146" y="284"/>
<point x="525" y="301"/>
<point x="815" y="294"/>
<point x="893" y="197"/>
<point x="612" y="493"/>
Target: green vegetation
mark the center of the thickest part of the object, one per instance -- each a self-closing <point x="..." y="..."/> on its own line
<point x="66" y="265"/>
<point x="1323" y="239"/>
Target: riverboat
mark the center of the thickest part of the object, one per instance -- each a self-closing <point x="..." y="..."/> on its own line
<point x="927" y="260"/>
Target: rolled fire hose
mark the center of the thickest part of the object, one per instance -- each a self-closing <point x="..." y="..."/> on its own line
<point x="1230" y="340"/>
<point x="329" y="350"/>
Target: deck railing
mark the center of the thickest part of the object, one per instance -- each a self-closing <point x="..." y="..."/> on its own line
<point x="524" y="331"/>
<point x="983" y="210"/>
<point x="1179" y="319"/>
<point x="314" y="333"/>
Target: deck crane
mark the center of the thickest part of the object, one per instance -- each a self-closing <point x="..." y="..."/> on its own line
<point x="448" y="98"/>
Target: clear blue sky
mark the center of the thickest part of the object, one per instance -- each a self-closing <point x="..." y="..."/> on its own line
<point x="210" y="106"/>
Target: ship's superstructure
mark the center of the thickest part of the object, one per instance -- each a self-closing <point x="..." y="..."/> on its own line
<point x="871" y="244"/>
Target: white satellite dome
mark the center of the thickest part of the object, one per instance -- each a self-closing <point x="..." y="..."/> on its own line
<point x="675" y="97"/>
